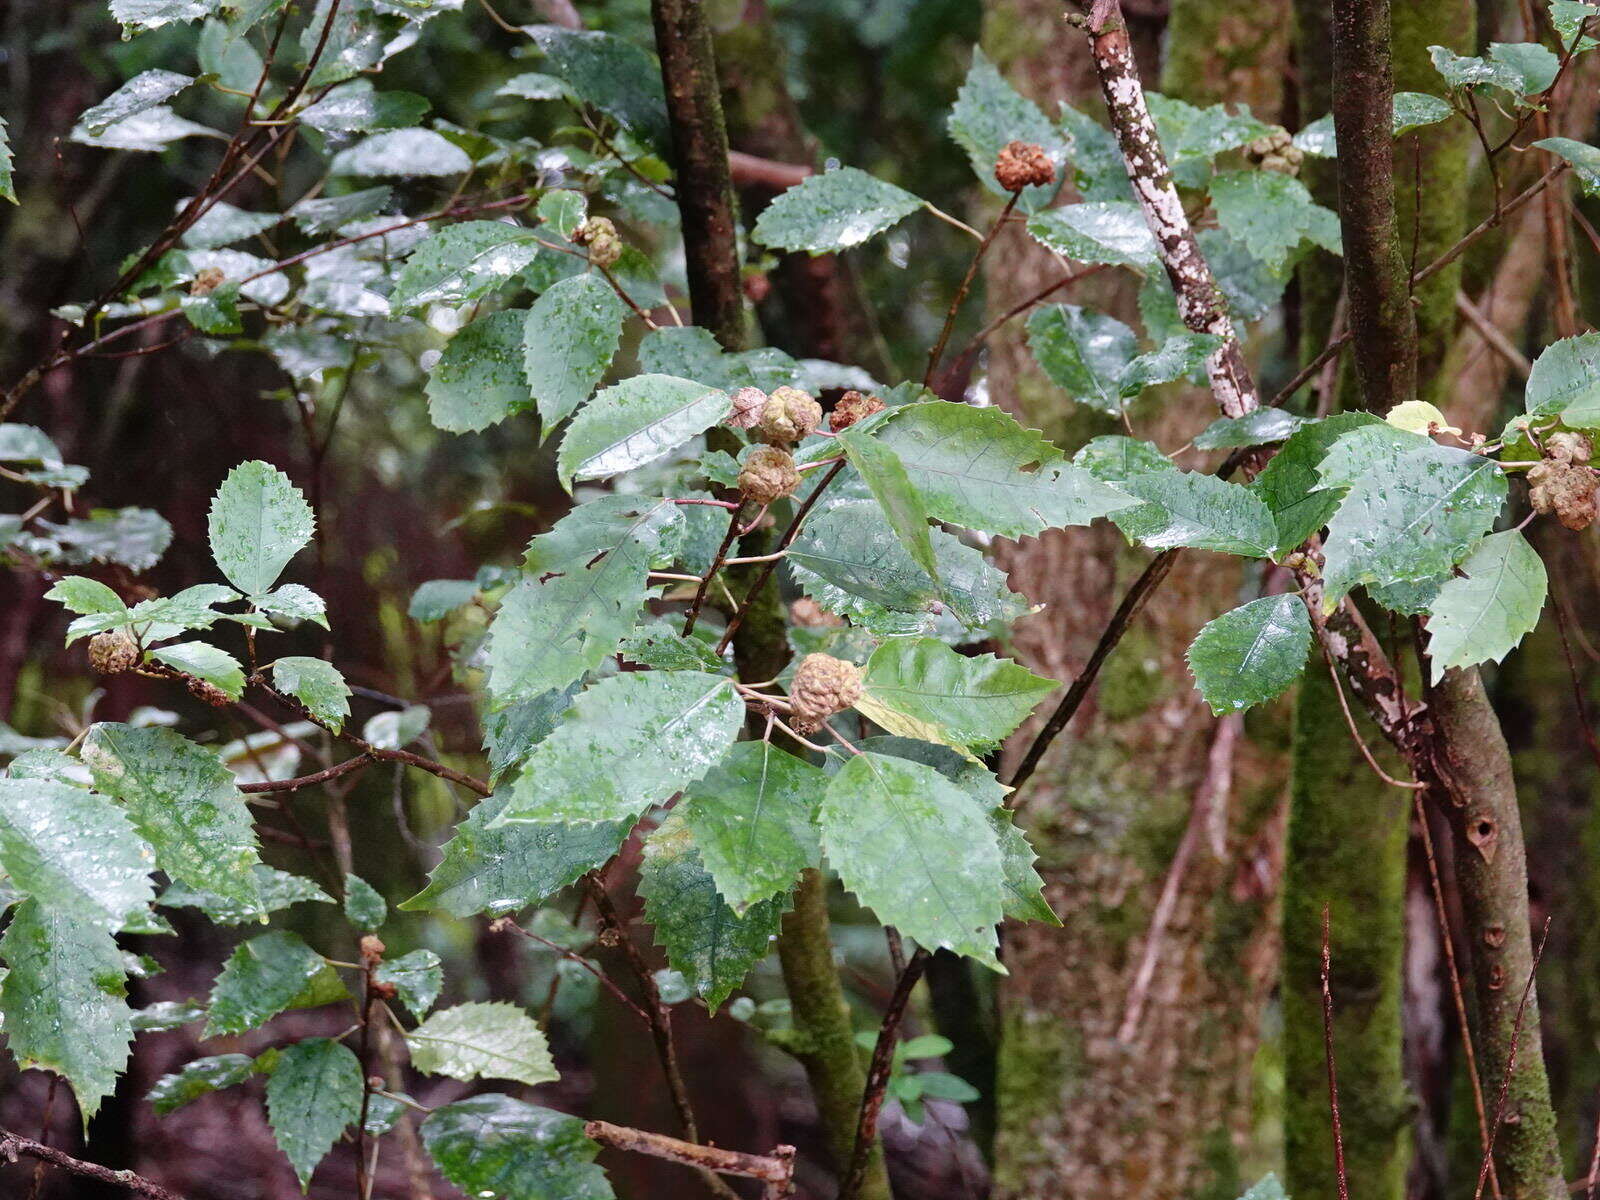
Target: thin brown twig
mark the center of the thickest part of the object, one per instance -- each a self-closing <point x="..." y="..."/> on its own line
<point x="878" y="1072"/>
<point x="1511" y="1062"/>
<point x="574" y="957"/>
<point x="305" y="781"/>
<point x="13" y="1144"/>
<point x="775" y="1168"/>
<point x="937" y="352"/>
<point x="1327" y="1045"/>
<point x="716" y="565"/>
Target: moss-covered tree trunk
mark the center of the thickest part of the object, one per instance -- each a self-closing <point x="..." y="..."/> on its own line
<point x="1082" y="1110"/>
<point x="1346" y="849"/>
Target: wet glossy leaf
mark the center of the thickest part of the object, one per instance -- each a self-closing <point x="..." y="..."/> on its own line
<point x="582" y="586"/>
<point x="357" y="107"/>
<point x="73" y="850"/>
<point x="1188" y="508"/>
<point x="134" y="537"/>
<point x="499" y="869"/>
<point x="1267" y="1188"/>
<point x="364" y="906"/>
<point x="62" y="999"/>
<point x="1083" y="352"/>
<point x="478" y="380"/>
<point x="199" y="1078"/>
<point x="316" y="684"/>
<point x="753" y="818"/>
<point x="482" y="1039"/>
<point x="265" y="976"/>
<point x="978" y="468"/>
<point x="324" y="214"/>
<point x="1268" y="212"/>
<point x="1098" y="231"/>
<point x="569" y="337"/>
<point x="144" y="91"/>
<point x="833" y="211"/>
<point x="629" y="742"/>
<point x="417" y="976"/>
<point x="1482" y="614"/>
<point x="1180" y="355"/>
<point x="1252" y="654"/>
<point x="988" y="114"/>
<point x="1259" y="428"/>
<point x="923" y="689"/>
<point x="660" y="646"/>
<point x="493" y="1145"/>
<point x="313" y="1095"/>
<point x="150" y="130"/>
<point x="511" y="732"/>
<point x="849" y="559"/>
<point x="1024" y="889"/>
<point x="1412" y="522"/>
<point x="711" y="944"/>
<point x="464" y="262"/>
<point x="438" y="598"/>
<point x="916" y="850"/>
<point x="885" y="475"/>
<point x="1565" y="380"/>
<point x="1288" y="484"/>
<point x="217" y="667"/>
<point x="275" y="890"/>
<point x="259" y="521"/>
<point x="137" y="16"/>
<point x="1585" y="161"/>
<point x="617" y="77"/>
<point x="185" y="803"/>
<point x="636" y="422"/>
<point x="403" y="152"/>
<point x="8" y="187"/>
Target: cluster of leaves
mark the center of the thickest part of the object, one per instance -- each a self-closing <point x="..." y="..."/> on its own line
<point x="602" y="720"/>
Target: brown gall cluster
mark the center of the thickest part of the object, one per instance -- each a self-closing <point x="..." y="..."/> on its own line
<point x="1275" y="151"/>
<point x="113" y="652"/>
<point x="600" y="236"/>
<point x="1023" y="164"/>
<point x="853" y="407"/>
<point x="1563" y="483"/>
<point x="768" y="473"/>
<point x="823" y="685"/>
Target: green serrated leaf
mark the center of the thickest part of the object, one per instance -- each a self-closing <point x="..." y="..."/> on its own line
<point x="438" y="598"/>
<point x="1267" y="212"/>
<point x="629" y="742"/>
<point x="275" y="890"/>
<point x="1252" y="654"/>
<point x="357" y="107"/>
<point x="753" y="818"/>
<point x="1482" y="614"/>
<point x="265" y="976"/>
<point x="1188" y="508"/>
<point x="364" y="906"/>
<point x="499" y="869"/>
<point x="1180" y="355"/>
<point x="1289" y="482"/>
<point x="73" y="851"/>
<point x="204" y="661"/>
<point x="316" y="684"/>
<point x="8" y="186"/>
<point x="1584" y="159"/>
<point x="617" y="77"/>
<point x="492" y="1040"/>
<point x="711" y="944"/>
<point x="259" y="521"/>
<point x="833" y="211"/>
<point x="1083" y="352"/>
<point x="199" y="1078"/>
<point x="417" y="976"/>
<point x="978" y="468"/>
<point x="885" y="475"/>
<point x="1565" y="380"/>
<point x="988" y="114"/>
<point x="1259" y="428"/>
<point x="1024" y="899"/>
<point x="145" y="90"/>
<point x="313" y="1095"/>
<point x="63" y="1000"/>
<point x="917" y="851"/>
<point x="462" y="263"/>
<point x="582" y="587"/>
<point x="568" y="339"/>
<point x="496" y="1145"/>
<point x="923" y="689"/>
<point x="1413" y="521"/>
<point x="661" y="647"/>
<point x="137" y="16"/>
<point x="636" y="422"/>
<point x="402" y="152"/>
<point x="185" y="803"/>
<point x="479" y="380"/>
<point x="1113" y="232"/>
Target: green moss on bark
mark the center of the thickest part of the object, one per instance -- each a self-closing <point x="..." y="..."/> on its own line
<point x="1346" y="850"/>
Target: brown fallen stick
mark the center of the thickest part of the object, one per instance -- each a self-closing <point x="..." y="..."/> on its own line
<point x="14" y="1144"/>
<point x="776" y="1170"/>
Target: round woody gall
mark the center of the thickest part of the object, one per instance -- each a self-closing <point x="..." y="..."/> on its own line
<point x="768" y="473"/>
<point x="823" y="685"/>
<point x="789" y="415"/>
<point x="853" y="407"/>
<point x="1023" y="164"/>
